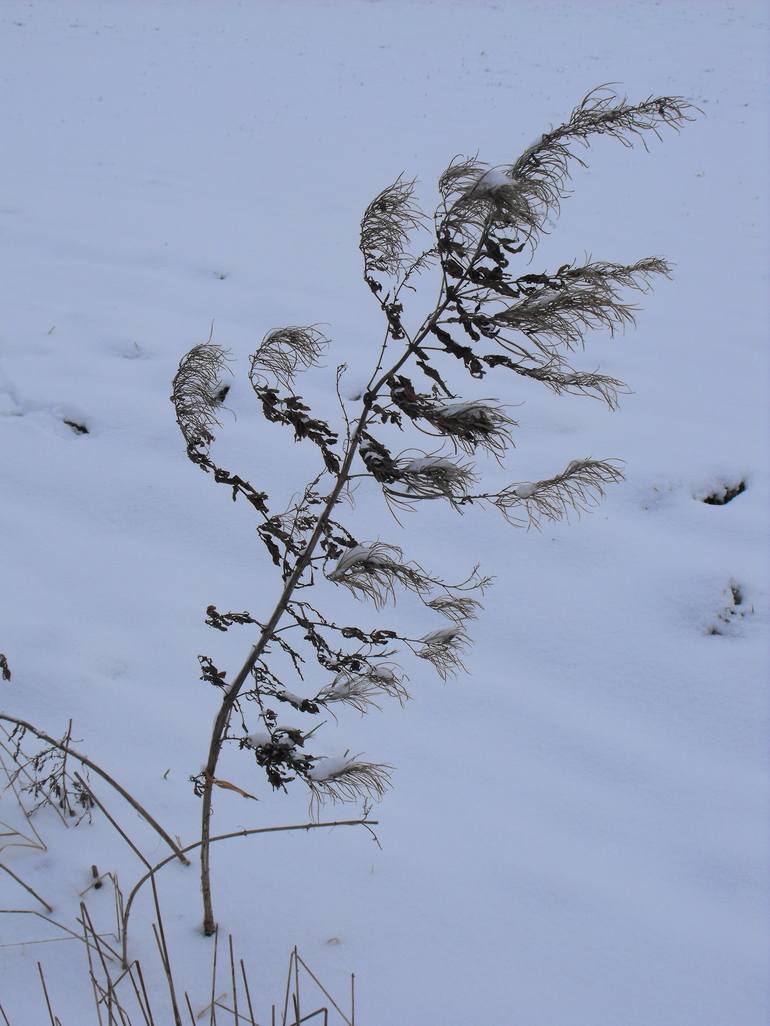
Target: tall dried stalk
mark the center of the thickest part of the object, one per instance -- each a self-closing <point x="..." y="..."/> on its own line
<point x="484" y="317"/>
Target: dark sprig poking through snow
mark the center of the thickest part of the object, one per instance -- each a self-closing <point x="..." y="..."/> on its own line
<point x="734" y="611"/>
<point x="5" y="670"/>
<point x="76" y="427"/>
<point x="724" y="494"/>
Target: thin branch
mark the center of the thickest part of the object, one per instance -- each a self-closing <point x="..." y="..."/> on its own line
<point x="367" y="823"/>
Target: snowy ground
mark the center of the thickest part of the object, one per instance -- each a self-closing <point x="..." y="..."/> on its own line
<point x="578" y="830"/>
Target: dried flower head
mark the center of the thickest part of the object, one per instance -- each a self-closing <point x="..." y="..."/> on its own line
<point x="361" y="689"/>
<point x="558" y="309"/>
<point x="478" y="424"/>
<point x="196" y="394"/>
<point x="520" y="197"/>
<point x="284" y="351"/>
<point x="347" y="778"/>
<point x="444" y="649"/>
<point x="543" y="170"/>
<point x="577" y="488"/>
<point x="561" y="378"/>
<point x="372" y="571"/>
<point x="455" y="607"/>
<point x="386" y="226"/>
<point x="430" y="477"/>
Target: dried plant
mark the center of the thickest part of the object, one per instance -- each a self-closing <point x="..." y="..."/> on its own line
<point x="285" y="351"/>
<point x="577" y="488"/>
<point x="456" y="607"/>
<point x="443" y="649"/>
<point x="123" y="995"/>
<point x="197" y="386"/>
<point x="478" y="424"/>
<point x="484" y="318"/>
<point x="45" y="777"/>
<point x="386" y="227"/>
<point x="346" y="779"/>
<point x="360" y="689"/>
<point x="59" y="751"/>
<point x="372" y="571"/>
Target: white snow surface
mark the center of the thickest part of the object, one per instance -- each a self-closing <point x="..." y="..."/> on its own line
<point x="578" y="831"/>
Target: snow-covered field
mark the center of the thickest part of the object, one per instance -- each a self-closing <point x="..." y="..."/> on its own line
<point x="578" y="830"/>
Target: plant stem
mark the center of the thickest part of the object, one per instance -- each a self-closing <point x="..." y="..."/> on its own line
<point x="231" y="695"/>
<point x="152" y="870"/>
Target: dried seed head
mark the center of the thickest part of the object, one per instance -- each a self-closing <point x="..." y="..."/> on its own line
<point x="521" y="196"/>
<point x="455" y="607"/>
<point x="579" y="487"/>
<point x="386" y="226"/>
<point x="347" y="778"/>
<point x="444" y="649"/>
<point x="430" y="477"/>
<point x="372" y="571"/>
<point x="284" y="351"/>
<point x="479" y="424"/>
<point x="196" y="389"/>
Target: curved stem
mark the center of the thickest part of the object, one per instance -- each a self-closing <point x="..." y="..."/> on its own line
<point x="368" y="823"/>
<point x="231" y="695"/>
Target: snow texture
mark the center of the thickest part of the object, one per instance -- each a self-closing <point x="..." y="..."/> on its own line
<point x="577" y="832"/>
